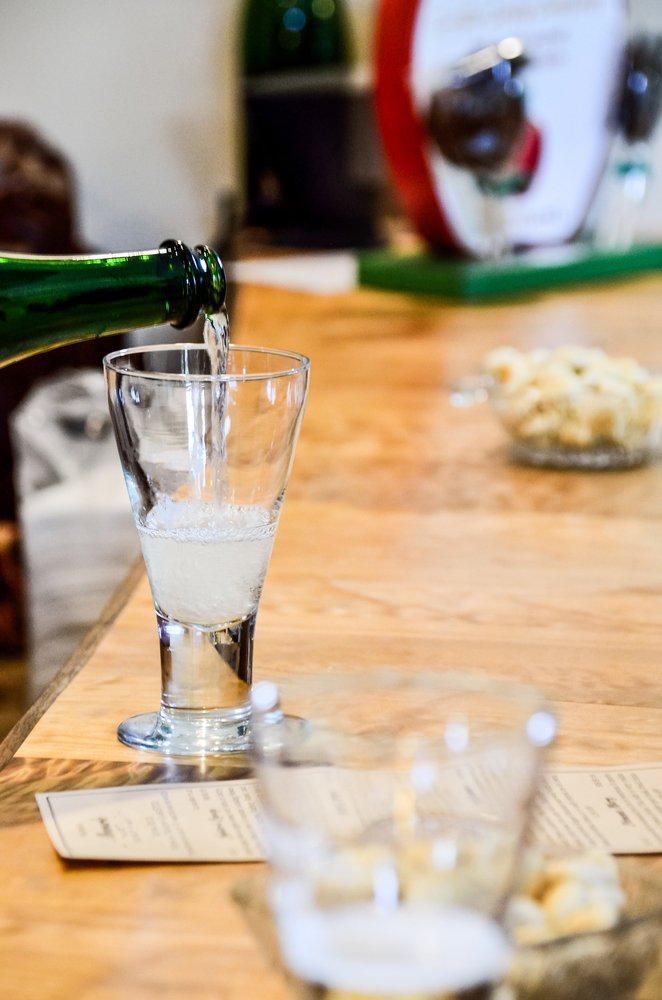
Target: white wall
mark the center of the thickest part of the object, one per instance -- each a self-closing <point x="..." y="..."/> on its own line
<point x="141" y="96"/>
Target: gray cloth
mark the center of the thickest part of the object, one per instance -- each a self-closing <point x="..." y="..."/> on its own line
<point x="77" y="529"/>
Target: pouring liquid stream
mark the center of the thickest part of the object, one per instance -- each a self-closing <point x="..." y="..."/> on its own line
<point x="216" y="334"/>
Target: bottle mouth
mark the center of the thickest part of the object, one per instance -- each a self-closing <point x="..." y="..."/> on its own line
<point x="204" y="279"/>
<point x="212" y="266"/>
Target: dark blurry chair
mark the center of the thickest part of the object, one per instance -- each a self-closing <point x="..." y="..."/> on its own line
<point x="37" y="215"/>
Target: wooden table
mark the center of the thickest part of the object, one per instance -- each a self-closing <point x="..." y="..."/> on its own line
<point x="409" y="537"/>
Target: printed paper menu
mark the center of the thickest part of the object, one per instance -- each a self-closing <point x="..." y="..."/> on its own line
<point x="207" y="821"/>
<point x="615" y="809"/>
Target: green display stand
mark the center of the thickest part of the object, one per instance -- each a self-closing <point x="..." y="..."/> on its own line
<point x="477" y="281"/>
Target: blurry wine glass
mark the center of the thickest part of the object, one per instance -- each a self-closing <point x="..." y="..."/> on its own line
<point x="627" y="179"/>
<point x="478" y="122"/>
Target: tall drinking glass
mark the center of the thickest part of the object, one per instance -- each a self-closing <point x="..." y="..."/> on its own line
<point x="395" y="807"/>
<point x="206" y="460"/>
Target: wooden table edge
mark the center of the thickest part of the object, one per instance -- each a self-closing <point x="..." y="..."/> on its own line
<point x="73" y="665"/>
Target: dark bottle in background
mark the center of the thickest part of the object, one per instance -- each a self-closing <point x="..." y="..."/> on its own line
<point x="311" y="142"/>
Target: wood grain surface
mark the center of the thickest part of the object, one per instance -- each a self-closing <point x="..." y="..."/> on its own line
<point x="408" y="537"/>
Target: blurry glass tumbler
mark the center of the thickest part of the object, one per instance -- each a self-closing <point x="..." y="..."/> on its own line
<point x="206" y="460"/>
<point x="395" y="806"/>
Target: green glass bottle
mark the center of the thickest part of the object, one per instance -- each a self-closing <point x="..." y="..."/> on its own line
<point x="300" y="113"/>
<point x="49" y="301"/>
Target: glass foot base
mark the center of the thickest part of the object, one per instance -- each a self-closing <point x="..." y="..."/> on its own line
<point x="187" y="734"/>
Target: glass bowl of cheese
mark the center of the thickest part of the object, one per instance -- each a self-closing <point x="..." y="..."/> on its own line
<point x="575" y="407"/>
<point x="585" y="927"/>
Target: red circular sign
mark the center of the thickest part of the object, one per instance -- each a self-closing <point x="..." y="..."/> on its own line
<point x="569" y="87"/>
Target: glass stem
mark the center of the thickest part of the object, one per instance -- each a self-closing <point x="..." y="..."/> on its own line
<point x="205" y="669"/>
